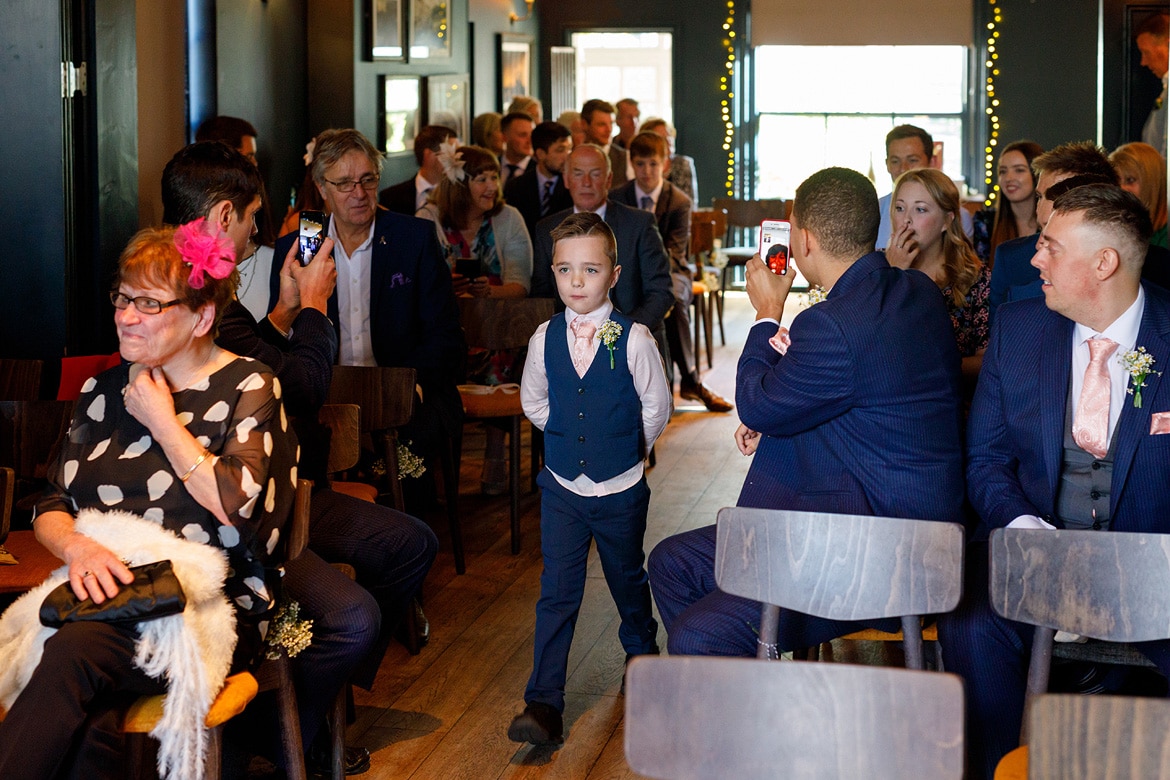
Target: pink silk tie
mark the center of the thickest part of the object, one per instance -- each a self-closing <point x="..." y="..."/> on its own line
<point x="1090" y="427"/>
<point x="583" y="331"/>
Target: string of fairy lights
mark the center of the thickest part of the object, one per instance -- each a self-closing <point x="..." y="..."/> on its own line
<point x="725" y="86"/>
<point x="991" y="64"/>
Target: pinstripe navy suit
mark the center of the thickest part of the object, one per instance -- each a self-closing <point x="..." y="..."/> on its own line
<point x="861" y="415"/>
<point x="1016" y="436"/>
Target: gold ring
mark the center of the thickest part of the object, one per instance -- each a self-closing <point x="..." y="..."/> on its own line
<point x="87" y="574"/>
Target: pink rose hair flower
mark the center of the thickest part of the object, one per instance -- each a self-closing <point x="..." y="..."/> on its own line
<point x="206" y="253"/>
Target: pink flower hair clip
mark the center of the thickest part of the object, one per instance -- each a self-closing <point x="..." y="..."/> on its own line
<point x="206" y="253"/>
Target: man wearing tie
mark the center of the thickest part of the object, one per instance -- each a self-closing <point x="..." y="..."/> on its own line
<point x="540" y="190"/>
<point x="1062" y="434"/>
<point x="408" y="196"/>
<point x="517" y="129"/>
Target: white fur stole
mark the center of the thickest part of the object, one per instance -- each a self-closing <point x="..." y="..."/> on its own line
<point x="193" y="649"/>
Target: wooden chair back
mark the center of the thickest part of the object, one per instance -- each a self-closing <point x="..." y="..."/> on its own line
<point x="699" y="717"/>
<point x="344" y="424"/>
<point x="1107" y="586"/>
<point x="29" y="432"/>
<point x="841" y="567"/>
<point x="748" y="214"/>
<point x="7" y="484"/>
<point x="705" y="229"/>
<point x="20" y="380"/>
<point x="298" y="527"/>
<point x="502" y="323"/>
<point x="1119" y="737"/>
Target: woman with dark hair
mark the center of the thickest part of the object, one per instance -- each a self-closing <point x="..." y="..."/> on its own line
<point x="182" y="448"/>
<point x="1015" y="209"/>
<point x="927" y="234"/>
<point x="476" y="227"/>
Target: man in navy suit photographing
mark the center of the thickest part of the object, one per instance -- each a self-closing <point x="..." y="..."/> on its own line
<point x="1062" y="434"/>
<point x="855" y="410"/>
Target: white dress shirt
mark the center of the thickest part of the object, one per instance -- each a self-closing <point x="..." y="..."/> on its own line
<point x="653" y="195"/>
<point x="422" y="190"/>
<point x="649" y="376"/>
<point x="506" y="172"/>
<point x="353" y="299"/>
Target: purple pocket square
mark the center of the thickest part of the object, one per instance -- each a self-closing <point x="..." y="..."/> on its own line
<point x="1159" y="423"/>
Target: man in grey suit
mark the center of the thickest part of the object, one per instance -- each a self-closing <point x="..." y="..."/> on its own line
<point x="643" y="293"/>
<point x="671" y="208"/>
<point x="598" y="118"/>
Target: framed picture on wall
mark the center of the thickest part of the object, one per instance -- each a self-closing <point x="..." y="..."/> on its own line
<point x="515" y="67"/>
<point x="449" y="103"/>
<point x="386" y="30"/>
<point x="399" y="105"/>
<point x="430" y="29"/>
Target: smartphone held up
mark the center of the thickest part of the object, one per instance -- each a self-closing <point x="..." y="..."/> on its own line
<point x="312" y="235"/>
<point x="775" y="245"/>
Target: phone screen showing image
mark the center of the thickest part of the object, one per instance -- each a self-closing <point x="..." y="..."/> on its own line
<point x="775" y="247"/>
<point x="312" y="234"/>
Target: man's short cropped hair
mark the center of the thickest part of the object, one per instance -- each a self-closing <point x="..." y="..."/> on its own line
<point x="627" y="102"/>
<point x="203" y="174"/>
<point x="592" y="106"/>
<point x="840" y="207"/>
<point x="430" y="137"/>
<point x="911" y="131"/>
<point x="546" y="134"/>
<point x="1157" y="25"/>
<point x="1079" y="157"/>
<point x="648" y="145"/>
<point x="1072" y="182"/>
<point x="1116" y="211"/>
<point x="332" y="145"/>
<point x="582" y="225"/>
<point x="230" y="130"/>
<point x="514" y="116"/>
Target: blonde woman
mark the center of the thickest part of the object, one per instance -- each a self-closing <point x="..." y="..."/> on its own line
<point x="1143" y="172"/>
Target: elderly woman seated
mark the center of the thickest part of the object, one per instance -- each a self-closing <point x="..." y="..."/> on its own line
<point x="183" y="448"/>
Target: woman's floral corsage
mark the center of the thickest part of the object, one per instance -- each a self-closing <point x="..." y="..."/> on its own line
<point x="452" y="161"/>
<point x="287" y="633"/>
<point x="409" y="464"/>
<point x="816" y="294"/>
<point x="608" y="333"/>
<point x="1138" y="364"/>
<point x="213" y="255"/>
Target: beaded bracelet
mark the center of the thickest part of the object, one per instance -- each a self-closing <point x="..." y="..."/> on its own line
<point x="197" y="464"/>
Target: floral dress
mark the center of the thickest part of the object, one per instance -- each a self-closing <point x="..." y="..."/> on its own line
<point x="970" y="321"/>
<point x="110" y="461"/>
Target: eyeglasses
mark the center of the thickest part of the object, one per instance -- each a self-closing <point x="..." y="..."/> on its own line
<point x="142" y="304"/>
<point x="369" y="182"/>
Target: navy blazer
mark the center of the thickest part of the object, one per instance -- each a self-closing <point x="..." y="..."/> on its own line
<point x="643" y="292"/>
<point x="862" y="415"/>
<point x="1016" y="429"/>
<point x="672" y="211"/>
<point x="400" y="198"/>
<point x="523" y="194"/>
<point x="414" y="320"/>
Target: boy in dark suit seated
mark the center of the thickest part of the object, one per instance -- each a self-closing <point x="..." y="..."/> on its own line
<point x="595" y="384"/>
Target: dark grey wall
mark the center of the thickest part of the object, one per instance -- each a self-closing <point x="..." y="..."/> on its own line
<point x="699" y="62"/>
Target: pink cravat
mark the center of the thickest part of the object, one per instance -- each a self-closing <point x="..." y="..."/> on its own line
<point x="583" y="331"/>
<point x="1090" y="427"/>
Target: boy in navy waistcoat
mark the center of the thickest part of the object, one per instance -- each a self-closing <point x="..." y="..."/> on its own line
<point x="595" y="384"/>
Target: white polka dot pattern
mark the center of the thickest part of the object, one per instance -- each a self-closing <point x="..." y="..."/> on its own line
<point x="273" y="539"/>
<point x="249" y="507"/>
<point x="154" y="514"/>
<point x="251" y="382"/>
<point x="158" y="483"/>
<point x="136" y="449"/>
<point x="268" y="443"/>
<point x="110" y="495"/>
<point x="99" y="450"/>
<point x="244" y="429"/>
<point x="270" y="497"/>
<point x="69" y="472"/>
<point x="218" y="412"/>
<point x="89" y="385"/>
<point x="97" y="409"/>
<point x="248" y="483"/>
<point x="184" y="418"/>
<point x="202" y="385"/>
<point x="229" y="536"/>
<point x="196" y="533"/>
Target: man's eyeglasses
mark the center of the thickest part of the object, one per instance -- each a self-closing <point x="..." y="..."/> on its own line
<point x="369" y="182"/>
<point x="142" y="304"/>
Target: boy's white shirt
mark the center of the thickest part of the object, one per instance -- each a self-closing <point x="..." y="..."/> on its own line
<point x="649" y="377"/>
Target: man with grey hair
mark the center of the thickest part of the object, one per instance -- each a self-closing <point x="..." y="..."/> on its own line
<point x="1059" y="436"/>
<point x="394" y="304"/>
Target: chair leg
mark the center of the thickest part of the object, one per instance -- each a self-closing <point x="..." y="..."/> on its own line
<point x="708" y="307"/>
<point x="290" y="723"/>
<point x="697" y="304"/>
<point x="337" y="733"/>
<point x="410" y="625"/>
<point x="514" y="482"/>
<point x="450" y="463"/>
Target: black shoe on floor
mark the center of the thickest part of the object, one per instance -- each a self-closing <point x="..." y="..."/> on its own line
<point x="710" y="399"/>
<point x="356" y="760"/>
<point x="539" y="724"/>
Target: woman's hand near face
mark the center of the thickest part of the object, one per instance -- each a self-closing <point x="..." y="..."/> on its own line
<point x="903" y="248"/>
<point x="148" y="399"/>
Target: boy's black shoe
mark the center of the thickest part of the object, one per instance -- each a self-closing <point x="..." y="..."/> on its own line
<point x="539" y="724"/>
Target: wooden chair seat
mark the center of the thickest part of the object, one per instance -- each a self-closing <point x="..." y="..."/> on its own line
<point x="359" y="490"/>
<point x="484" y="401"/>
<point x="1013" y="766"/>
<point x="238" y="690"/>
<point x="35" y="563"/>
<point x="929" y="634"/>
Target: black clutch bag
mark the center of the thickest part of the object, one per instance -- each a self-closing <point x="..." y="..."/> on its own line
<point x="154" y="593"/>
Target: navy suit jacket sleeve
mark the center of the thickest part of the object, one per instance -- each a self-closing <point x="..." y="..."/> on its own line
<point x="649" y="297"/>
<point x="303" y="363"/>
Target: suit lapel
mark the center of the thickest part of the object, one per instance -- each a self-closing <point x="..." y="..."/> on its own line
<point x="1134" y="423"/>
<point x="1055" y="364"/>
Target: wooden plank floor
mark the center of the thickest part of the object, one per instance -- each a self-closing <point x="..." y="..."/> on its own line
<point x="444" y="713"/>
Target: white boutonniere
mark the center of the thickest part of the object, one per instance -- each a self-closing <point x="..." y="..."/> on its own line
<point x="816" y="294"/>
<point x="1139" y="364"/>
<point x="608" y="333"/>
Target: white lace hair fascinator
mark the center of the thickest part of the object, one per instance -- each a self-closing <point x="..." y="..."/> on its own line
<point x="452" y="161"/>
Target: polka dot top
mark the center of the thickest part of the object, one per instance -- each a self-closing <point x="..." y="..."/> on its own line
<point x="109" y="461"/>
